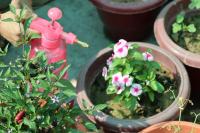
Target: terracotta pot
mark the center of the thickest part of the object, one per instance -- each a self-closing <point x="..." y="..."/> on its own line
<point x="186" y="127"/>
<point x="162" y="28"/>
<point x="94" y="68"/>
<point x="130" y="21"/>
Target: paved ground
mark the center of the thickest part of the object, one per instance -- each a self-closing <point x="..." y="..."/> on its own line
<point x="81" y="18"/>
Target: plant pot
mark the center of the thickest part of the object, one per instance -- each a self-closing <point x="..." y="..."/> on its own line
<point x="162" y="30"/>
<point x="186" y="127"/>
<point x="110" y="124"/>
<point x="131" y="21"/>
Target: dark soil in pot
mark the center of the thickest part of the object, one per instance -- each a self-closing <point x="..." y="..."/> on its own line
<point x="98" y="95"/>
<point x="111" y="124"/>
<point x="129" y="20"/>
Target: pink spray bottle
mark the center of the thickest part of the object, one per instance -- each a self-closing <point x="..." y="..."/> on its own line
<point x="53" y="40"/>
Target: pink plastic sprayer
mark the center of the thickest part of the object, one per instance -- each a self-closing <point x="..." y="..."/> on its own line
<point x="53" y="40"/>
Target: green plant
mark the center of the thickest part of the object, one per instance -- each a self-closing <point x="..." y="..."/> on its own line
<point x="25" y="35"/>
<point x="32" y="98"/>
<point x="180" y="26"/>
<point x="181" y="103"/>
<point x="185" y="29"/>
<point x="131" y="74"/>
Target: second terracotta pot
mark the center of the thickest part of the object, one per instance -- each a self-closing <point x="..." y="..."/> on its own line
<point x="132" y="21"/>
<point x="166" y="127"/>
<point x="110" y="124"/>
<point x="162" y="31"/>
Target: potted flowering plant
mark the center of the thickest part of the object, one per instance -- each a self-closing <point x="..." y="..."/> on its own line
<point x="133" y="86"/>
<point x="130" y="17"/>
<point x="177" y="30"/>
<point x="34" y="99"/>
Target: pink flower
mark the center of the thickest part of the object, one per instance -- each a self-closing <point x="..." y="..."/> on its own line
<point x="117" y="79"/>
<point x="136" y="90"/>
<point x="105" y="72"/>
<point x="121" y="52"/>
<point x="147" y="56"/>
<point x="121" y="43"/>
<point x="121" y="49"/>
<point x="127" y="80"/>
<point x="120" y="88"/>
<point x="110" y="59"/>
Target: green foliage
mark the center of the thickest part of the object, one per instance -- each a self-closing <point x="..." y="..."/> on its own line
<point x="180" y="26"/>
<point x="194" y="4"/>
<point x="21" y="82"/>
<point x="26" y="36"/>
<point x="142" y="71"/>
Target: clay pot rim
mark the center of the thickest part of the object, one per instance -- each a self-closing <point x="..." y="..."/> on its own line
<point x="127" y="8"/>
<point x="125" y="123"/>
<point x="159" y="125"/>
<point x="187" y="57"/>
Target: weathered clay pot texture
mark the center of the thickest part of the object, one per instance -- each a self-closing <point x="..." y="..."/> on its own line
<point x="162" y="29"/>
<point x="132" y="21"/>
<point x="110" y="124"/>
<point x="185" y="127"/>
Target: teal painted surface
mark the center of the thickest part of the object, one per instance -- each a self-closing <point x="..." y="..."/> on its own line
<point x="4" y="4"/>
<point x="81" y="18"/>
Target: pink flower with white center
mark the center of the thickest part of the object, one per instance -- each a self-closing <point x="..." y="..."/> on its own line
<point x="147" y="56"/>
<point x="120" y="88"/>
<point x="121" y="49"/>
<point x="121" y="43"/>
<point x="127" y="80"/>
<point x="105" y="72"/>
<point x="120" y="52"/>
<point x="110" y="59"/>
<point x="117" y="79"/>
<point x="136" y="90"/>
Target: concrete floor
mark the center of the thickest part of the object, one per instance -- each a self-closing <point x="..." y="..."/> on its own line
<point x="81" y="18"/>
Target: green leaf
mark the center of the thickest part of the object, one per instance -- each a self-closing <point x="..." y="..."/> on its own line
<point x="27" y="24"/>
<point x="156" y="86"/>
<point x="12" y="9"/>
<point x="29" y="123"/>
<point x="31" y="108"/>
<point x="180" y="18"/>
<point x="151" y="96"/>
<point x="22" y="13"/>
<point x="191" y="28"/>
<point x="7" y="73"/>
<point x="128" y="69"/>
<point x="8" y="20"/>
<point x="90" y="126"/>
<point x="137" y="55"/>
<point x="35" y="36"/>
<point x="19" y="74"/>
<point x="63" y="72"/>
<point x="100" y="107"/>
<point x="130" y="103"/>
<point x="118" y="62"/>
<point x="176" y="28"/>
<point x="111" y="90"/>
<point x="59" y="84"/>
